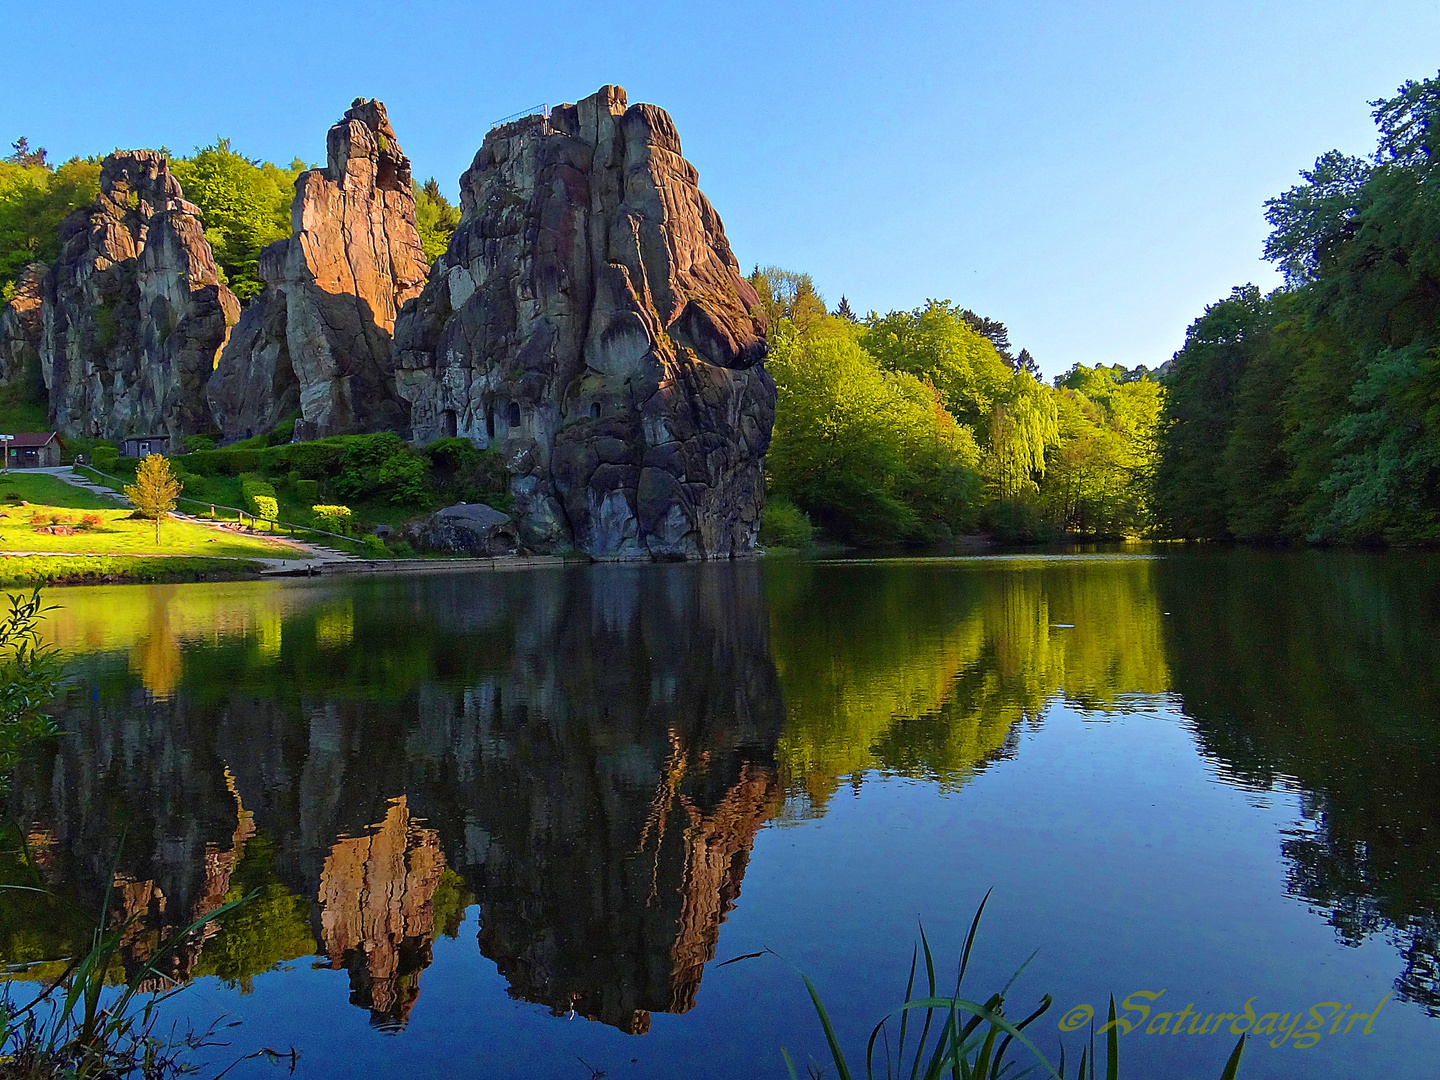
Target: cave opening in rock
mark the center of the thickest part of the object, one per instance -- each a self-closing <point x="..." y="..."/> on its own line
<point x="595" y="410"/>
<point x="490" y="420"/>
<point x="512" y="415"/>
<point x="448" y="424"/>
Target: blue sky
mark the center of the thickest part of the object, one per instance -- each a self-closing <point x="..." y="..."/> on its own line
<point x="1091" y="174"/>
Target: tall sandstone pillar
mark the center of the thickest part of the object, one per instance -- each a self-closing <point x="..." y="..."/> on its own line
<point x="590" y="321"/>
<point x="318" y="338"/>
<point x="133" y="311"/>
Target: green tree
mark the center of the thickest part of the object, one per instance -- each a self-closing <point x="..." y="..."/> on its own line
<point x="435" y="219"/>
<point x="787" y="296"/>
<point x="1191" y="494"/>
<point x="34" y="200"/>
<point x="937" y="344"/>
<point x="872" y="455"/>
<point x="155" y="490"/>
<point x="244" y="205"/>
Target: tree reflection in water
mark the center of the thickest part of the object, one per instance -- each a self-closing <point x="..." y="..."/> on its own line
<point x="584" y="758"/>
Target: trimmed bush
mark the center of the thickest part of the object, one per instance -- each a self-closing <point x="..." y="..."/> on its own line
<point x="254" y="489"/>
<point x="308" y="491"/>
<point x="266" y="507"/>
<point x="333" y="518"/>
<point x="104" y="457"/>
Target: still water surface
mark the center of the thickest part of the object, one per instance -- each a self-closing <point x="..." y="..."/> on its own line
<point x="508" y="825"/>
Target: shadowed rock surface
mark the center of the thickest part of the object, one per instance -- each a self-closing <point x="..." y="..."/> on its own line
<point x="134" y="314"/>
<point x="469" y="528"/>
<point x="318" y="338"/>
<point x="591" y="751"/>
<point x="21" y="326"/>
<point x="590" y="321"/>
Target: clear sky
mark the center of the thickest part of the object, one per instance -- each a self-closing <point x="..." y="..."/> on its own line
<point x="1092" y="174"/>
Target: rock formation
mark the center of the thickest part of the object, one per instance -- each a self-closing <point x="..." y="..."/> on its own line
<point x="21" y="324"/>
<point x="376" y="911"/>
<point x="318" y="338"/>
<point x="134" y="314"/>
<point x="467" y="529"/>
<point x="590" y="321"/>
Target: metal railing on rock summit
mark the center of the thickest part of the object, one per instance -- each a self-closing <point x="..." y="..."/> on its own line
<point x="542" y="109"/>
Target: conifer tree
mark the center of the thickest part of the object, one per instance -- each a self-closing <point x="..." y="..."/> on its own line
<point x="154" y="490"/>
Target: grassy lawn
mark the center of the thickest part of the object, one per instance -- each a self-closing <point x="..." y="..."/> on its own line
<point x="101" y="569"/>
<point x="118" y="534"/>
<point x="45" y="489"/>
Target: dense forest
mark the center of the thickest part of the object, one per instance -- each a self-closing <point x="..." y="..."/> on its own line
<point x="1313" y="413"/>
<point x="1308" y="414"/>
<point x="917" y="426"/>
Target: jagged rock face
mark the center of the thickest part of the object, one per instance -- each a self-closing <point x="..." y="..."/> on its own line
<point x="21" y="324"/>
<point x="590" y="320"/>
<point x="318" y="338"/>
<point x="134" y="314"/>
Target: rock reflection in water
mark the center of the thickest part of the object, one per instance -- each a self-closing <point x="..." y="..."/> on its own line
<point x="592" y="758"/>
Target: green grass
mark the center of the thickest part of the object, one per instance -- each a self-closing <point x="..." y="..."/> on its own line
<point x="17" y="416"/>
<point x="50" y="491"/>
<point x="106" y="569"/>
<point x="119" y="534"/>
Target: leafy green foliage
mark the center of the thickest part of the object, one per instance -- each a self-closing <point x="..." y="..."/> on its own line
<point x="34" y="200"/>
<point x="244" y="205"/>
<point x="1314" y="412"/>
<point x="29" y="681"/>
<point x="155" y="490"/>
<point x="269" y="929"/>
<point x="788" y="297"/>
<point x="435" y="219"/>
<point x="783" y="524"/>
<point x="872" y="454"/>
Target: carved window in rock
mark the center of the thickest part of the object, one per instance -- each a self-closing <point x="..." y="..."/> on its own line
<point x="512" y="414"/>
<point x="595" y="410"/>
<point x="490" y="420"/>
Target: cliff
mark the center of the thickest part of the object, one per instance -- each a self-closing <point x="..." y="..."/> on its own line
<point x="21" y="325"/>
<point x="318" y="338"/>
<point x="590" y="321"/>
<point x="133" y="311"/>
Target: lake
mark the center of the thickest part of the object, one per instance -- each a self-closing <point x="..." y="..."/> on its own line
<point x="511" y="825"/>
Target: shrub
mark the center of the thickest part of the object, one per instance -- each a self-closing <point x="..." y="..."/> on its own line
<point x="374" y="545"/>
<point x="259" y="497"/>
<point x="783" y="524"/>
<point x="193" y="485"/>
<point x="282" y="433"/>
<point x="402" y="549"/>
<point x="266" y="507"/>
<point x="91" y="521"/>
<point x="308" y="491"/>
<point x="333" y="518"/>
<point x="38" y="519"/>
<point x="314" y="460"/>
<point x="404" y="478"/>
<point x="105" y="457"/>
<point x="191" y="443"/>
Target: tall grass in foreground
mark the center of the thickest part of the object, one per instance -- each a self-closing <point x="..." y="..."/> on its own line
<point x="973" y="1040"/>
<point x="74" y="1030"/>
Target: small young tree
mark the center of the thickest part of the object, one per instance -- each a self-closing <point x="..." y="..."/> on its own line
<point x="154" y="490"/>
